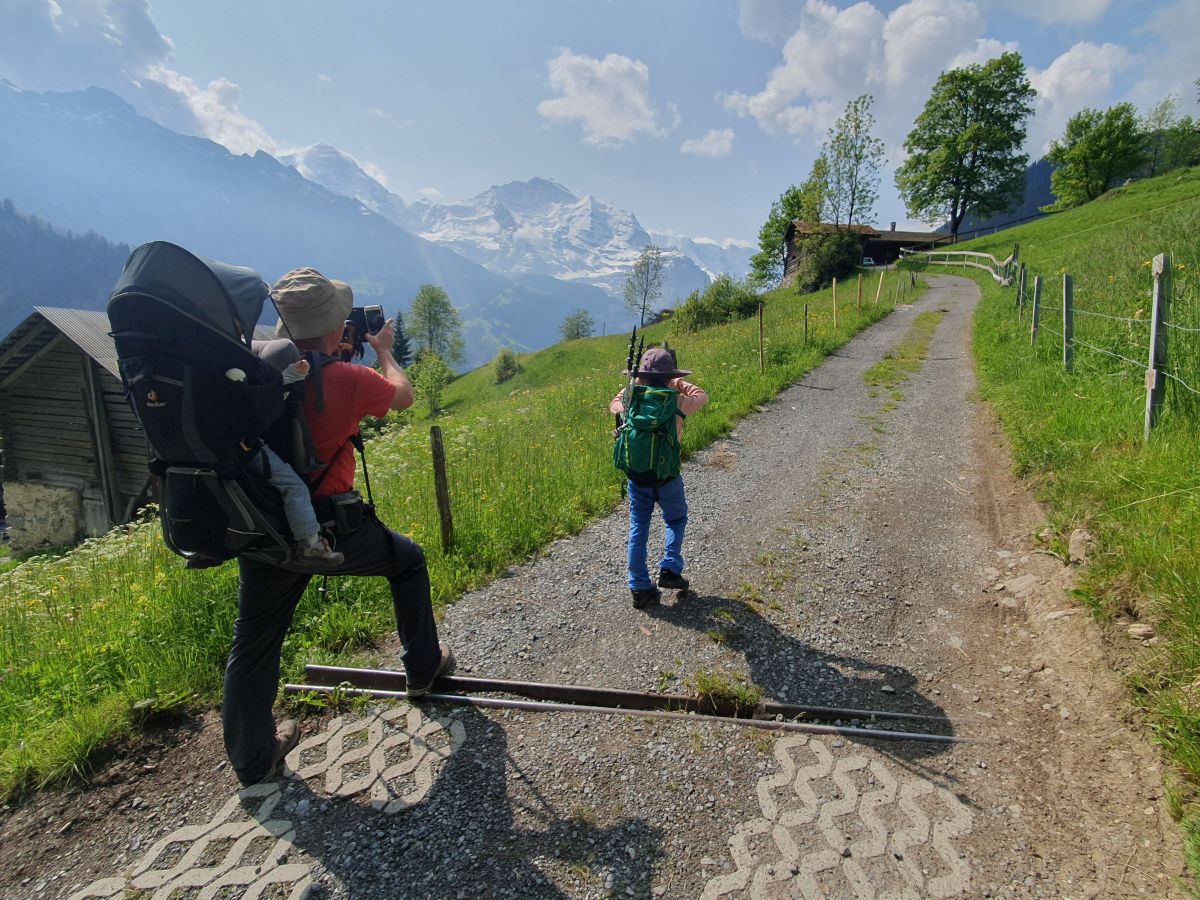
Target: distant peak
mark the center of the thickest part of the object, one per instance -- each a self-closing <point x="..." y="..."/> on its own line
<point x="536" y="192"/>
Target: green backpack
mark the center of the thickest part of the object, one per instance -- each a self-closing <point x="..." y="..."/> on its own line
<point x="647" y="448"/>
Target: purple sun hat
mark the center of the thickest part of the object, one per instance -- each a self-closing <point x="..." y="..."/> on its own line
<point x="659" y="363"/>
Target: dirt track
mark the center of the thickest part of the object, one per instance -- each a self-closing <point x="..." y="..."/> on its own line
<point x="840" y="553"/>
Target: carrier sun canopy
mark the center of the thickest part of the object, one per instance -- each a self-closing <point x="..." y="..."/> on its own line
<point x="225" y="299"/>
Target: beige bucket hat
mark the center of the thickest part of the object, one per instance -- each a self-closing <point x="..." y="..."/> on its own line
<point x="309" y="304"/>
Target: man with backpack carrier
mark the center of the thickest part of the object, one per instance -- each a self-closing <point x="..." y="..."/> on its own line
<point x="313" y="311"/>
<point x="654" y="406"/>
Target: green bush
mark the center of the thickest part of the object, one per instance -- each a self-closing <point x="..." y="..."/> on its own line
<point x="824" y="257"/>
<point x="505" y="366"/>
<point x="725" y="300"/>
<point x="429" y="376"/>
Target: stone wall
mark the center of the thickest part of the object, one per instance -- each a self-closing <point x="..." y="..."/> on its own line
<point x="41" y="516"/>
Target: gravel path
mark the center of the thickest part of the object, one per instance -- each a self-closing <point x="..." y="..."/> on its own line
<point x="841" y="552"/>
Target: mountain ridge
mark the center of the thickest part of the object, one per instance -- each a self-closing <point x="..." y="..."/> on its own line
<point x="87" y="161"/>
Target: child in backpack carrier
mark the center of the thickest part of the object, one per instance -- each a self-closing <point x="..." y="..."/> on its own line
<point x="312" y="549"/>
<point x="648" y="452"/>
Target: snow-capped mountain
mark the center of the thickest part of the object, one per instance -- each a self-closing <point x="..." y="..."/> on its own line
<point x="540" y="227"/>
<point x="341" y="173"/>
<point x="535" y="227"/>
<point x="727" y="257"/>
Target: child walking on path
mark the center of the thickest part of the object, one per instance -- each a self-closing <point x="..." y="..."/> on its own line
<point x="657" y="370"/>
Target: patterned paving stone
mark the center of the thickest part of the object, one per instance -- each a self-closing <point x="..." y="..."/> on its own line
<point x="846" y="825"/>
<point x="391" y="755"/>
<point x="240" y="852"/>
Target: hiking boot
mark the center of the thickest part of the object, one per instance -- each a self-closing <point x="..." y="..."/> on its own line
<point x="645" y="597"/>
<point x="318" y="554"/>
<point x="445" y="667"/>
<point x="672" y="581"/>
<point x="287" y="736"/>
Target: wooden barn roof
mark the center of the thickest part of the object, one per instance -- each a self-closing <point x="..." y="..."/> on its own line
<point x="87" y="329"/>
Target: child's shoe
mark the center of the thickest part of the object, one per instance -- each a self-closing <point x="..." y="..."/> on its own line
<point x="645" y="597"/>
<point x="672" y="581"/>
<point x="318" y="554"/>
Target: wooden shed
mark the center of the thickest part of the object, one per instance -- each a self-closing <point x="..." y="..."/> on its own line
<point x="74" y="455"/>
<point x="881" y="246"/>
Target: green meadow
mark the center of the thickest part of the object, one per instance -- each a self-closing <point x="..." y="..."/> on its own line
<point x="97" y="639"/>
<point x="1079" y="436"/>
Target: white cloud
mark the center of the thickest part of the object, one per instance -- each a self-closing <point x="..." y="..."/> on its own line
<point x="375" y="172"/>
<point x="215" y="111"/>
<point x="922" y="35"/>
<point x="717" y="144"/>
<point x="1057" y="12"/>
<point x="1170" y="68"/>
<point x="64" y="45"/>
<point x="837" y="54"/>
<point x="985" y="49"/>
<point x="322" y="77"/>
<point x="769" y="20"/>
<point x="431" y="194"/>
<point x="1082" y="76"/>
<point x="610" y="97"/>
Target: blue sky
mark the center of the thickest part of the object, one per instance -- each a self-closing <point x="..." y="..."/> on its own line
<point x="694" y="114"/>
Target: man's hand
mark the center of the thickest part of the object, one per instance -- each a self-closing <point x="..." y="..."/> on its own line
<point x="382" y="343"/>
<point x="384" y="338"/>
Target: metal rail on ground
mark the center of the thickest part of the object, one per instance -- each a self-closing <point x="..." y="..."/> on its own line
<point x="387" y="684"/>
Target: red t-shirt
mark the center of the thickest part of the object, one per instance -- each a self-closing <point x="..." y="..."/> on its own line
<point x="351" y="392"/>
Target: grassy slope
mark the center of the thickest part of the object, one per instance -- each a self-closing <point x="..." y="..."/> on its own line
<point x="1079" y="436"/>
<point x="118" y="622"/>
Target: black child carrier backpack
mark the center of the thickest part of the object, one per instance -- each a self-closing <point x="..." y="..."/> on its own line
<point x="183" y="326"/>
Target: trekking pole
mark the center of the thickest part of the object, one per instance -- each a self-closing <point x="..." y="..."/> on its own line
<point x="357" y="441"/>
<point x="628" y="368"/>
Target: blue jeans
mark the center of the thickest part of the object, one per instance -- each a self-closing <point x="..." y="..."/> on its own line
<point x="297" y="502"/>
<point x="671" y="500"/>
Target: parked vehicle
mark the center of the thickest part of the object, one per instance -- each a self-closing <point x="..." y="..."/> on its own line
<point x="867" y="262"/>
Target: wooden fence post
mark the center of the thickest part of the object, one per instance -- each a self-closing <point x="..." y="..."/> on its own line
<point x="441" y="488"/>
<point x="761" y="361"/>
<point x="859" y="303"/>
<point x="1021" y="294"/>
<point x="1068" y="322"/>
<point x="806" y="323"/>
<point x="1155" y="382"/>
<point x="1037" y="305"/>
<point x="880" y="288"/>
<point x="835" y="304"/>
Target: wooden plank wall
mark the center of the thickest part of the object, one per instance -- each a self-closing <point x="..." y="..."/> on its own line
<point x="128" y="440"/>
<point x="47" y="431"/>
<point x="47" y="434"/>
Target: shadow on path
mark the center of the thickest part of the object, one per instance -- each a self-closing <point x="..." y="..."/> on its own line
<point x="791" y="671"/>
<point x="484" y="830"/>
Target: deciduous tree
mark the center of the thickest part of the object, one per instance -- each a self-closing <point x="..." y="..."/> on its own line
<point x="578" y="324"/>
<point x="435" y="324"/>
<point x="644" y="283"/>
<point x="1097" y="150"/>
<point x="964" y="151"/>
<point x="854" y="157"/>
<point x="766" y="266"/>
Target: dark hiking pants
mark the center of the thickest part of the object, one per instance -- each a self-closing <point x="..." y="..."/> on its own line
<point x="267" y="598"/>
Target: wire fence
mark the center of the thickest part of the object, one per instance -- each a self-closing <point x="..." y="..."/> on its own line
<point x="1155" y="342"/>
